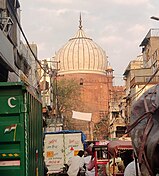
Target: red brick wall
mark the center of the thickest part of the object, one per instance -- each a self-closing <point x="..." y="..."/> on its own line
<point x="95" y="95"/>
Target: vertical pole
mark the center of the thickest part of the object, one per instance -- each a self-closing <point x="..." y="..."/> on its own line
<point x="44" y="84"/>
<point x="90" y="130"/>
<point x="136" y="165"/>
<point x="56" y="96"/>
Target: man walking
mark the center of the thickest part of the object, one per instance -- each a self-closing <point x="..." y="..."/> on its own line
<point x="75" y="164"/>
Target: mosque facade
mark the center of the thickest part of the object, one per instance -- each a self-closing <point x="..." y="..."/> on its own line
<point x="84" y="60"/>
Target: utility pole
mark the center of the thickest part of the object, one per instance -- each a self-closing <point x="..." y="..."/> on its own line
<point x="54" y="93"/>
<point x="57" y="111"/>
<point x="45" y="67"/>
<point x="50" y="74"/>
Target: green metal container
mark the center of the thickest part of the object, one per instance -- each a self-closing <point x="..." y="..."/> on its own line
<point x="21" y="135"/>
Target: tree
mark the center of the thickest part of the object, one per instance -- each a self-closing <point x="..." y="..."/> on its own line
<point x="66" y="93"/>
<point x="101" y="128"/>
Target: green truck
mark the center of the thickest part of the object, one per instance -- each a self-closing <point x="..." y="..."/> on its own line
<point x="21" y="132"/>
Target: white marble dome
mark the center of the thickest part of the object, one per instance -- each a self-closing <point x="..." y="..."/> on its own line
<point x="81" y="55"/>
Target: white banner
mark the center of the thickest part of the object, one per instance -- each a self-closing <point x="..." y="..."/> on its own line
<point x="82" y="116"/>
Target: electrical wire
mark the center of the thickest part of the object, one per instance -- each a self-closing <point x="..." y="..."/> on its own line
<point x="19" y="25"/>
<point x="26" y="40"/>
<point x="137" y="93"/>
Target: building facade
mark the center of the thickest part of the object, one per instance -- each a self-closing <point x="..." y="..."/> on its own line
<point x="117" y="126"/>
<point x="17" y="62"/>
<point x="142" y="73"/>
<point x="86" y="62"/>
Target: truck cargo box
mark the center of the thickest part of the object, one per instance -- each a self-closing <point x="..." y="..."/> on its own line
<point x="21" y="135"/>
<point x="60" y="146"/>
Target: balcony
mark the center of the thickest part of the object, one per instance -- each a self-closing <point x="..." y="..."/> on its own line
<point x="138" y="80"/>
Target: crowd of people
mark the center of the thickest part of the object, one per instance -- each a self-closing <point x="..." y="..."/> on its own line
<point x="83" y="165"/>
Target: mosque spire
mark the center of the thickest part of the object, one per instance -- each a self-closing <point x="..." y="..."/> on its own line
<point x="80" y="22"/>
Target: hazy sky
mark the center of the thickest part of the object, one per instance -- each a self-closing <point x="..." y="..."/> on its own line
<point x="118" y="26"/>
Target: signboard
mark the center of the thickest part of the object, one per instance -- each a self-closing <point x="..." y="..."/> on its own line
<point x="10" y="163"/>
<point x="54" y="151"/>
<point x="72" y="145"/>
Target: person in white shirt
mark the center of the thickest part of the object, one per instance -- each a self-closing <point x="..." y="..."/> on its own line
<point x="87" y="160"/>
<point x="75" y="164"/>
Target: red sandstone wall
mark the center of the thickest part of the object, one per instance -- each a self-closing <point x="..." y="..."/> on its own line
<point x="95" y="94"/>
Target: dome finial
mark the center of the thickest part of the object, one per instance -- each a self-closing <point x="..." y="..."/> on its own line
<point x="80" y="22"/>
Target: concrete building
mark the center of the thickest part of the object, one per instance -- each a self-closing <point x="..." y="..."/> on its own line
<point x="117" y="125"/>
<point x="142" y="73"/>
<point x="16" y="60"/>
<point x="48" y="82"/>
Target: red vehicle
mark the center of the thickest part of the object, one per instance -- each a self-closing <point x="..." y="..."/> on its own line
<point x="120" y="155"/>
<point x="101" y="159"/>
